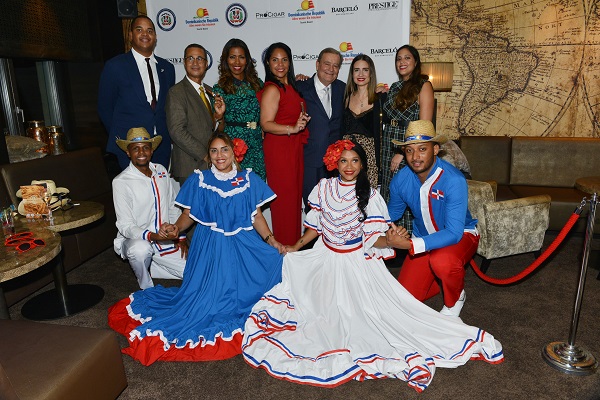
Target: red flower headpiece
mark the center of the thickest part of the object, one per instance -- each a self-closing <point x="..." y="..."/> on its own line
<point x="334" y="152"/>
<point x="239" y="149"/>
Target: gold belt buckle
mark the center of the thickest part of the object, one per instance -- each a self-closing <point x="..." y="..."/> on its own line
<point x="251" y="125"/>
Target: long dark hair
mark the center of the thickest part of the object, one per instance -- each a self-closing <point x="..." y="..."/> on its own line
<point x="363" y="187"/>
<point x="225" y="75"/>
<point x="352" y="87"/>
<point x="411" y="87"/>
<point x="291" y="75"/>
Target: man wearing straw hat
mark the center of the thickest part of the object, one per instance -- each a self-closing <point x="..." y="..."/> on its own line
<point x="144" y="198"/>
<point x="444" y="235"/>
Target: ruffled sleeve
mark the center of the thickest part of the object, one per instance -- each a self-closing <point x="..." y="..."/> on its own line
<point x="376" y="224"/>
<point x="313" y="218"/>
<point x="221" y="206"/>
<point x="186" y="194"/>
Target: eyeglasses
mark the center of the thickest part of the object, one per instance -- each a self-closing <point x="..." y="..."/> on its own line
<point x="24" y="241"/>
<point x="191" y="59"/>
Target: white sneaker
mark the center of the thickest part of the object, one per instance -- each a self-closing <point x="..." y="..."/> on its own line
<point x="454" y="311"/>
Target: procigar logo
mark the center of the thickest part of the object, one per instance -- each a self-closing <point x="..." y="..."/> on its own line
<point x="270" y="15"/>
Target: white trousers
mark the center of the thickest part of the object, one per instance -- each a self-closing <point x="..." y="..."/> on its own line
<point x="147" y="264"/>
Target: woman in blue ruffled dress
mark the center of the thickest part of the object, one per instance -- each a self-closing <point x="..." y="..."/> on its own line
<point x="232" y="261"/>
<point x="338" y="314"/>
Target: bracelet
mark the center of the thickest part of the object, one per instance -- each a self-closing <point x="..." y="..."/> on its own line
<point x="266" y="239"/>
<point x="287" y="128"/>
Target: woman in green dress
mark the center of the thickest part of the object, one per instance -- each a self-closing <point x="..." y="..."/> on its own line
<point x="238" y="84"/>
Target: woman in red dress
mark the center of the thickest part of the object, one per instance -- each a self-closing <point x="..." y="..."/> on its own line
<point x="283" y="121"/>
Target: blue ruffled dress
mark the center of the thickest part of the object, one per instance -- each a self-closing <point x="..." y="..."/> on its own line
<point x="229" y="268"/>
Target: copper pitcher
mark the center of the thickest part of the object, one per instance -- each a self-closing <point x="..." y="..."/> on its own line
<point x="37" y="131"/>
<point x="56" y="141"/>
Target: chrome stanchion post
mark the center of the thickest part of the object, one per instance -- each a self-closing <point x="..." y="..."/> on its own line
<point x="568" y="357"/>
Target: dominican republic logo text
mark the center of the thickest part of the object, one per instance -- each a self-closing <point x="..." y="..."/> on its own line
<point x="201" y="21"/>
<point x="347" y="52"/>
<point x="306" y="13"/>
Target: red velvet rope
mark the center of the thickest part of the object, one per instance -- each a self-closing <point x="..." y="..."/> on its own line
<point x="561" y="236"/>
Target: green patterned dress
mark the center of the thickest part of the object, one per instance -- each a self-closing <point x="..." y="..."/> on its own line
<point x="395" y="129"/>
<point x="242" y="120"/>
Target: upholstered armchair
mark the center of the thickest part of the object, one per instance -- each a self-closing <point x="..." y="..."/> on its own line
<point x="507" y="227"/>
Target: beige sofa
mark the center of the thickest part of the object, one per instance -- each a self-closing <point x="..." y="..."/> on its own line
<point x="526" y="166"/>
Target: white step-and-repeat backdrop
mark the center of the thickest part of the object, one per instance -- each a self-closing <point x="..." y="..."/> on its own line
<point x="307" y="26"/>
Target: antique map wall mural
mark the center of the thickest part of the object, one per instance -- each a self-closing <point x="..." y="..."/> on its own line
<point x="527" y="68"/>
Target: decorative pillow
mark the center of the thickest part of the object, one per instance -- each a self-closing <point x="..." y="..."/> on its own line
<point x="22" y="148"/>
<point x="450" y="152"/>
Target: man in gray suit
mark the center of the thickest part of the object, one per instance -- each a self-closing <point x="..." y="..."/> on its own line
<point x="190" y="116"/>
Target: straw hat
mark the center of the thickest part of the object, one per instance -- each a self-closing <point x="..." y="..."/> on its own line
<point x="49" y="184"/>
<point x="139" y="135"/>
<point x="420" y="131"/>
<point x="59" y="195"/>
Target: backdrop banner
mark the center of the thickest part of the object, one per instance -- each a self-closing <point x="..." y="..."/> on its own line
<point x="307" y="26"/>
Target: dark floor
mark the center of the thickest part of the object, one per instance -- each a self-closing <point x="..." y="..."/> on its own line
<point x="524" y="317"/>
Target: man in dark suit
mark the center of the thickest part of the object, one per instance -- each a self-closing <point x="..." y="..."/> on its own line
<point x="323" y="94"/>
<point x="129" y="96"/>
<point x="190" y="115"/>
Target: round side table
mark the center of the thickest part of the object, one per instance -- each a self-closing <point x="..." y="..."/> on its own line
<point x="14" y="263"/>
<point x="64" y="299"/>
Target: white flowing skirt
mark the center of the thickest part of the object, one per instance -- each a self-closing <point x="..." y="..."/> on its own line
<point x="338" y="316"/>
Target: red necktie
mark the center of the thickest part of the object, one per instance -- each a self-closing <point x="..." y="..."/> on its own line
<point x="152" y="88"/>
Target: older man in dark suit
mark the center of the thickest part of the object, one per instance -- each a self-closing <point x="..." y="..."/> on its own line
<point x="323" y="94"/>
<point x="190" y="115"/>
<point x="133" y="90"/>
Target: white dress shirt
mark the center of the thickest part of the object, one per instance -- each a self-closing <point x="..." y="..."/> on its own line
<point x="143" y="203"/>
<point x="140" y="60"/>
<point x="322" y="93"/>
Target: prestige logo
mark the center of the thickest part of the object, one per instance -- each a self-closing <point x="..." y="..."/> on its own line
<point x="383" y="5"/>
<point x="344" y="10"/>
<point x="180" y="61"/>
<point x="236" y="15"/>
<point x="165" y="19"/>
<point x="176" y="60"/>
<point x="270" y="15"/>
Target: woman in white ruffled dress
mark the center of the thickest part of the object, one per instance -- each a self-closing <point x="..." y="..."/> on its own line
<point x="338" y="313"/>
